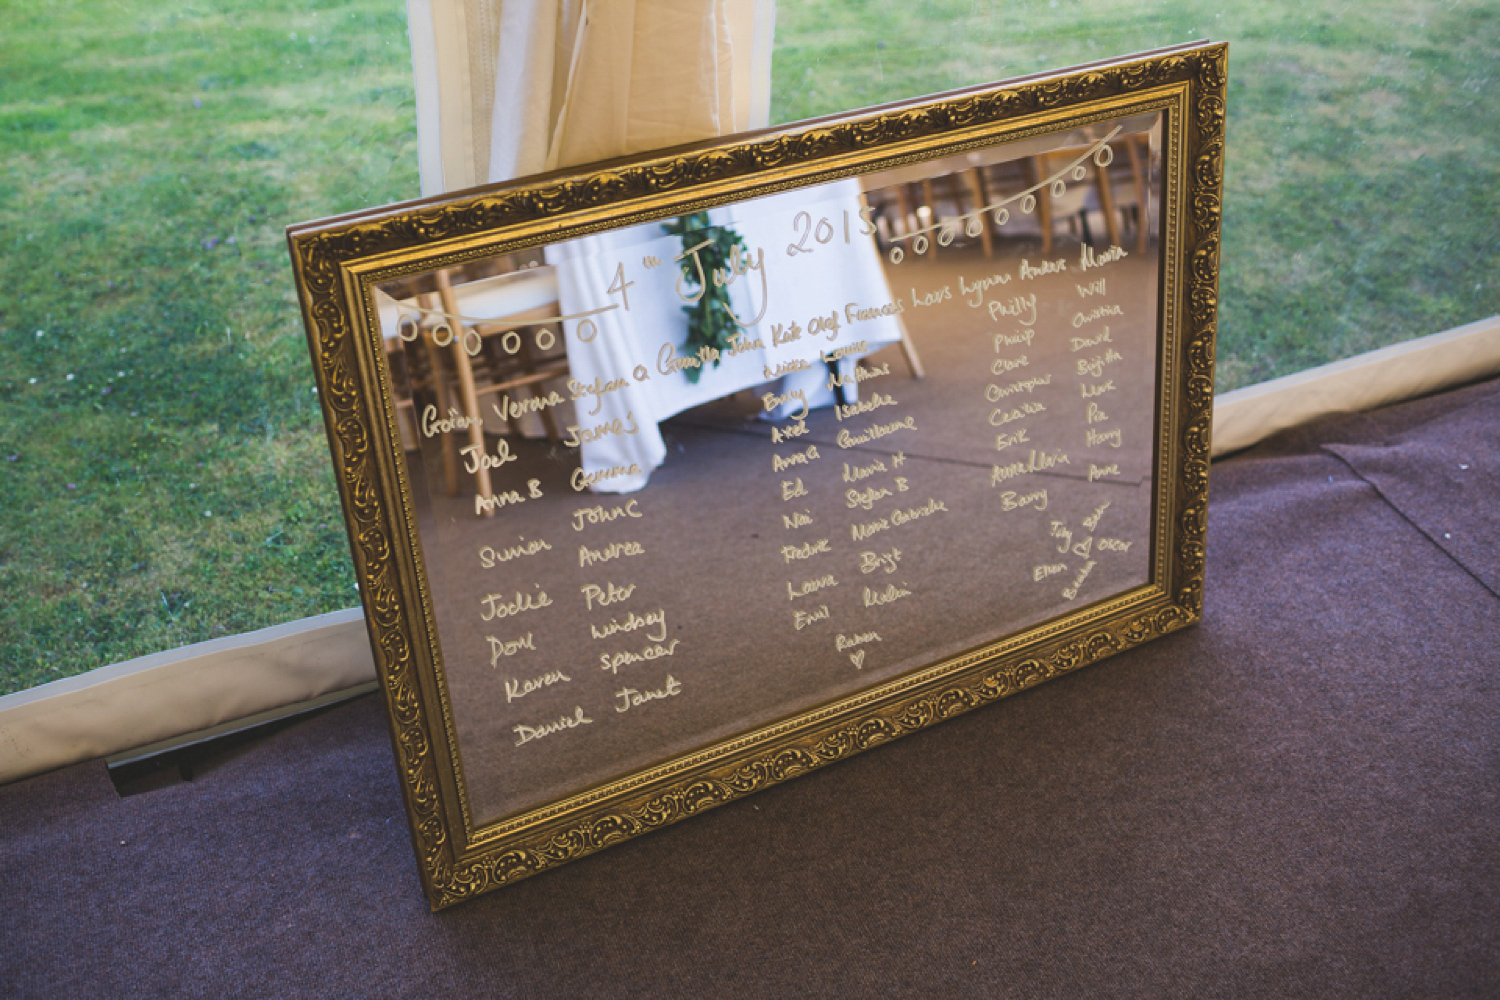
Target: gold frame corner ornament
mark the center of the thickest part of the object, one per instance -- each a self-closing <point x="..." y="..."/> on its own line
<point x="336" y="262"/>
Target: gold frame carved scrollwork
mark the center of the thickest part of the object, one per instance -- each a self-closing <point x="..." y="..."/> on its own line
<point x="338" y="261"/>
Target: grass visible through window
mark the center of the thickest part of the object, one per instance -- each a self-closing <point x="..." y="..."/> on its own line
<point x="163" y="470"/>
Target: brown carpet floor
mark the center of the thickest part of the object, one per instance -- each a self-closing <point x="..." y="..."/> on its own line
<point x="1296" y="798"/>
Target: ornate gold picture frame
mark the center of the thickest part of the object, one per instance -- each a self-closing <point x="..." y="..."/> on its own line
<point x="670" y="478"/>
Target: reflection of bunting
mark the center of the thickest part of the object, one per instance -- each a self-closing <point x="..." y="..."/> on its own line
<point x="1057" y="185"/>
<point x="410" y="316"/>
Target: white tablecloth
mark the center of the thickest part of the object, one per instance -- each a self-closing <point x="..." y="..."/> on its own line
<point x="800" y="287"/>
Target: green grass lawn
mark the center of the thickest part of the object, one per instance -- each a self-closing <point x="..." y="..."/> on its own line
<point x="163" y="472"/>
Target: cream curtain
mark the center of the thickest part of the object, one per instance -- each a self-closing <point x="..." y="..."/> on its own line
<point x="513" y="87"/>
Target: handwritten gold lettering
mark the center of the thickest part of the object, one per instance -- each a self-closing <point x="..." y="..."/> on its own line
<point x="860" y="375"/>
<point x="1086" y="258"/>
<point x="614" y="661"/>
<point x="592" y="595"/>
<point x="1029" y="270"/>
<point x="519" y="689"/>
<point x="489" y="557"/>
<point x="802" y="619"/>
<point x="433" y="425"/>
<point x="807" y="551"/>
<point x="581" y="480"/>
<point x="508" y="647"/>
<point x="1010" y="500"/>
<point x="597" y="389"/>
<point x="631" y="698"/>
<point x="843" y="642"/>
<point x="1022" y="307"/>
<point x="979" y="287"/>
<point x="785" y="368"/>
<point x="614" y="550"/>
<point x="844" y="411"/>
<point x="875" y="432"/>
<point x="804" y="457"/>
<point x="598" y="515"/>
<point x="796" y="429"/>
<point x="655" y="620"/>
<point x="771" y="400"/>
<point x="869" y="562"/>
<point x="994" y="393"/>
<point x="810" y="586"/>
<point x="496" y="606"/>
<point x="890" y="595"/>
<point x="525" y="734"/>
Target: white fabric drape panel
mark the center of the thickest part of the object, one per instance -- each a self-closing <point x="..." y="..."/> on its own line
<point x="513" y="87"/>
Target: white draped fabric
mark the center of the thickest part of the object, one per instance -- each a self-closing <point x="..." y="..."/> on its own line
<point x="513" y="87"/>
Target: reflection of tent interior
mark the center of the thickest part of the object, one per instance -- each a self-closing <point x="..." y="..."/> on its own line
<point x="494" y="338"/>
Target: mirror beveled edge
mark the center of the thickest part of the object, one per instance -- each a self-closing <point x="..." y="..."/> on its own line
<point x="337" y="262"/>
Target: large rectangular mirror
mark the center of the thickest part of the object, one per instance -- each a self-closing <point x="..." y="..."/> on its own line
<point x="672" y="478"/>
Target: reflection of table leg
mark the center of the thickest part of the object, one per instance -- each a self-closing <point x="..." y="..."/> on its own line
<point x="932" y="215"/>
<point x="1036" y="167"/>
<point x="1142" y="217"/>
<point x="465" y="383"/>
<point x="903" y="210"/>
<point x="444" y="401"/>
<point x="1107" y="205"/>
<point x="909" y="351"/>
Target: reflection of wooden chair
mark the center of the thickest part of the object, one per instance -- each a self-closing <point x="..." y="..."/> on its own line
<point x="494" y="349"/>
<point x="1119" y="195"/>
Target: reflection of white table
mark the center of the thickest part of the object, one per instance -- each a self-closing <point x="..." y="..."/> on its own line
<point x="835" y="278"/>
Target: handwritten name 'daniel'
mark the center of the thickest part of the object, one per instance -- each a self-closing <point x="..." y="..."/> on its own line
<point x="525" y="734"/>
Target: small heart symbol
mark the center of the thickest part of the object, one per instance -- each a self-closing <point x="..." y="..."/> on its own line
<point x="858" y="659"/>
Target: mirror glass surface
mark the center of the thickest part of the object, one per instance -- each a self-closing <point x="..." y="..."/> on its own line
<point x="684" y="478"/>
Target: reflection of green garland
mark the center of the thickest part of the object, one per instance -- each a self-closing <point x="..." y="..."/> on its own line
<point x="709" y="324"/>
